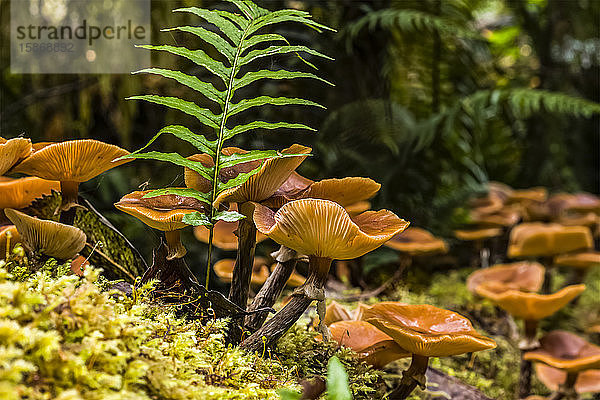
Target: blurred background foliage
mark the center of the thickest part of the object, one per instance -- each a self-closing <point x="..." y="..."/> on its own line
<point x="433" y="98"/>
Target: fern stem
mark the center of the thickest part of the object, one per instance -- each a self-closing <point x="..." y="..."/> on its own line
<point x="220" y="141"/>
<point x="210" y="247"/>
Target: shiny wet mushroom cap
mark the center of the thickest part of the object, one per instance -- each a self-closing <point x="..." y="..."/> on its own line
<point x="50" y="238"/>
<point x="12" y="151"/>
<point x="324" y="229"/>
<point x="566" y="351"/>
<point x="19" y="193"/>
<point x="372" y="345"/>
<point x="426" y="330"/>
<point x="524" y="276"/>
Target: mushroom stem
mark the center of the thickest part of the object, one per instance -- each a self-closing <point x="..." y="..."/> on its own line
<point x="566" y="390"/>
<point x="529" y="342"/>
<point x="69" y="191"/>
<point x="269" y="293"/>
<point x="301" y="299"/>
<point x="242" y="272"/>
<point x="548" y="275"/>
<point x="413" y="376"/>
<point x="176" y="248"/>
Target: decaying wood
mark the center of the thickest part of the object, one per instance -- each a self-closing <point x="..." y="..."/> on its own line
<point x="284" y="319"/>
<point x="272" y="288"/>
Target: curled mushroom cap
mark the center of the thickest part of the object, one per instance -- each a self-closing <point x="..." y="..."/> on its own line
<point x="164" y="212"/>
<point x="47" y="237"/>
<point x="9" y="236"/>
<point x="477" y="234"/>
<point x="566" y="351"/>
<point x="72" y="161"/>
<point x="529" y="306"/>
<point x="272" y="174"/>
<point x="587" y="381"/>
<point x="11" y="151"/>
<point x="19" y="193"/>
<point x="323" y="228"/>
<point x="537" y="239"/>
<point x="415" y="241"/>
<point x="582" y="260"/>
<point x="260" y="270"/>
<point x="427" y="330"/>
<point x="525" y="276"/>
<point x="374" y="346"/>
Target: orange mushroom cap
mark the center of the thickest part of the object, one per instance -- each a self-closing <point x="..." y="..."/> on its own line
<point x="566" y="351"/>
<point x="488" y="204"/>
<point x="47" y="237"/>
<point x="536" y="239"/>
<point x="336" y="312"/>
<point x="272" y="174"/>
<point x="8" y="235"/>
<point x="19" y="193"/>
<point x="323" y="228"/>
<point x="585" y="202"/>
<point x="507" y="216"/>
<point x="12" y="151"/>
<point x="525" y="276"/>
<point x="417" y="241"/>
<point x="582" y="260"/>
<point x="529" y="306"/>
<point x="501" y="190"/>
<point x="477" y="234"/>
<point x="587" y="381"/>
<point x="260" y="271"/>
<point x="572" y="218"/>
<point x="357" y="208"/>
<point x="164" y="212"/>
<point x="528" y="195"/>
<point x="72" y="161"/>
<point x="427" y="330"/>
<point x="374" y="346"/>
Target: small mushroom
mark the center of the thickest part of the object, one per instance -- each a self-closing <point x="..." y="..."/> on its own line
<point x="12" y="151"/>
<point x="260" y="271"/>
<point x="525" y="196"/>
<point x="19" y="193"/>
<point x="569" y="353"/>
<point x="523" y="276"/>
<point x="372" y="345"/>
<point x="531" y="307"/>
<point x="425" y="331"/>
<point x="9" y="236"/>
<point x="417" y="241"/>
<point x="543" y="241"/>
<point x="50" y="238"/>
<point x="581" y="262"/>
<point x="554" y="378"/>
<point x="71" y="163"/>
<point x="324" y="231"/>
<point x="480" y="238"/>
<point x="165" y="213"/>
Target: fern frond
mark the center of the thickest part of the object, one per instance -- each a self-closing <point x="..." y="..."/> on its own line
<point x="235" y="38"/>
<point x="409" y="21"/>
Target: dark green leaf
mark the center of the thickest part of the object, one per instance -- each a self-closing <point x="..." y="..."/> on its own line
<point x="254" y="76"/>
<point x="185" y="192"/>
<point x="197" y="56"/>
<point x="243" y="105"/>
<point x="203" y="115"/>
<point x="196" y="218"/>
<point x="209" y="37"/>
<point x="280" y="16"/>
<point x="228" y="216"/>
<point x="199" y="141"/>
<point x="264" y="125"/>
<point x="176" y="159"/>
<point x="225" y="25"/>
<point x="238" y="180"/>
<point x="207" y="89"/>
<point x="273" y="50"/>
<point x="258" y="39"/>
